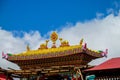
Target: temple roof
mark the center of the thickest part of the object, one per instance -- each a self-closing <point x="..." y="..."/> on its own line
<point x="64" y="49"/>
<point x="113" y="63"/>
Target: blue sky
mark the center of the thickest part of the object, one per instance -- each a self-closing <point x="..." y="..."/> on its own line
<point x="47" y="15"/>
<point x="25" y="22"/>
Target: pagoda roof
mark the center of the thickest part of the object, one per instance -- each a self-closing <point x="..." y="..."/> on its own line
<point x="53" y="52"/>
<point x="63" y="50"/>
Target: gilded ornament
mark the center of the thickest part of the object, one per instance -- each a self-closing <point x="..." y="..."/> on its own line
<point x="54" y="37"/>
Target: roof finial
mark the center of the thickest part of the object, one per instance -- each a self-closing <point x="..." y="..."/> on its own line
<point x="44" y="45"/>
<point x="47" y="43"/>
<point x="28" y="48"/>
<point x="64" y="43"/>
<point x="60" y="39"/>
<point x="54" y="37"/>
<point x="81" y="42"/>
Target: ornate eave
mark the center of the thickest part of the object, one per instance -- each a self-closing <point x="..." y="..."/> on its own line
<point x="65" y="52"/>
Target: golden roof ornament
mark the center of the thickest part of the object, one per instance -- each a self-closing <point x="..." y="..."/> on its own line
<point x="60" y="39"/>
<point x="54" y="37"/>
<point x="64" y="46"/>
<point x="44" y="45"/>
<point x="81" y="42"/>
<point x="64" y="43"/>
<point x="28" y="48"/>
<point x="47" y="42"/>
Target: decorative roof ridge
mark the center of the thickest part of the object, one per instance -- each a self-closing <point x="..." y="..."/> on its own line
<point x="63" y="48"/>
<point x="50" y="50"/>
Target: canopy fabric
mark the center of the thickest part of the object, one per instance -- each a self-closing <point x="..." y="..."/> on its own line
<point x="3" y="77"/>
<point x="113" y="63"/>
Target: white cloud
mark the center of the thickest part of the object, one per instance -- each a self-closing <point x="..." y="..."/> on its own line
<point x="99" y="15"/>
<point x="115" y="8"/>
<point x="12" y="44"/>
<point x="98" y="33"/>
